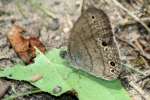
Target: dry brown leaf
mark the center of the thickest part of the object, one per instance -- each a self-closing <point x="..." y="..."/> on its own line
<point x="35" y="42"/>
<point x="24" y="47"/>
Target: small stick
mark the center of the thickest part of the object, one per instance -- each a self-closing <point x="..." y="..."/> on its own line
<point x="131" y="14"/>
<point x="22" y="94"/>
<point x="139" y="90"/>
<point x="131" y="22"/>
<point x="131" y="45"/>
<point x="4" y="86"/>
<point x="137" y="44"/>
<point x="143" y="78"/>
<point x="133" y="69"/>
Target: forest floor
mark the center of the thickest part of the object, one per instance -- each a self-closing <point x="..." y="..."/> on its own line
<point x="51" y="21"/>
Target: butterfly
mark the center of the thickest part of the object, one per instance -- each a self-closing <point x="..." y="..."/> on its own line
<point x="91" y="45"/>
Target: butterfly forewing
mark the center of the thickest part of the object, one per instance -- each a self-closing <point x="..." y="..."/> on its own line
<point x="91" y="45"/>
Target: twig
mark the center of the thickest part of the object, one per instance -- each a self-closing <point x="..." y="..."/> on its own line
<point x="140" y="90"/>
<point x="143" y="78"/>
<point x="130" y="22"/>
<point x="21" y="94"/>
<point x="131" y="14"/>
<point x="137" y="44"/>
<point x="4" y="86"/>
<point x="133" y="69"/>
<point x="142" y="54"/>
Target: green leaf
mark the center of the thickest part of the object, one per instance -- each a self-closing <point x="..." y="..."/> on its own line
<point x="56" y="73"/>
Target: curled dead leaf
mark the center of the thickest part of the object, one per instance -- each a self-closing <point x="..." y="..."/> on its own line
<point x="24" y="47"/>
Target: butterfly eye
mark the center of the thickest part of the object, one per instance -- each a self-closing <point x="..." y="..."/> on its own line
<point x="93" y="17"/>
<point x="104" y="43"/>
<point x="112" y="63"/>
<point x="106" y="49"/>
<point x="112" y="70"/>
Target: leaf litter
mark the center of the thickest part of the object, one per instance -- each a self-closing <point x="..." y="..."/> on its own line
<point x="133" y="39"/>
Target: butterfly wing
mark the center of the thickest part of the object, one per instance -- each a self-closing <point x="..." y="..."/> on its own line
<point x="92" y="47"/>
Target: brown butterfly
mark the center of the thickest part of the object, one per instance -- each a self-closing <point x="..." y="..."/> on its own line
<point x="91" y="45"/>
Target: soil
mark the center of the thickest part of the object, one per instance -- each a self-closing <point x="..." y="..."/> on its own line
<point x="51" y="21"/>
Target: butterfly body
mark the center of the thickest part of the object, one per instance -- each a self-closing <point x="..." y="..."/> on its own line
<point x="91" y="46"/>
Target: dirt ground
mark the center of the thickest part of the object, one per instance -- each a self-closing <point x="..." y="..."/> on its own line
<point x="51" y="21"/>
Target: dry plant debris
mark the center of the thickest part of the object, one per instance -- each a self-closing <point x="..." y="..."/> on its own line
<point x="133" y="39"/>
<point x="4" y="86"/>
<point x="24" y="47"/>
